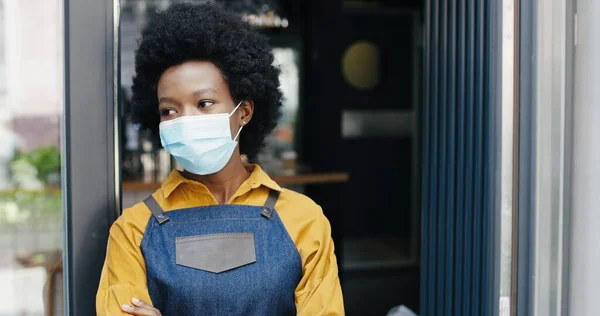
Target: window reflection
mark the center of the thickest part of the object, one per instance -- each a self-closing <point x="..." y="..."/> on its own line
<point x="31" y="108"/>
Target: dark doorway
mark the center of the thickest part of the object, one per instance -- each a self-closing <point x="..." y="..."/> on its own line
<point x="361" y="115"/>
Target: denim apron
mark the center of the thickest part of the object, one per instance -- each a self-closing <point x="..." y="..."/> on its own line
<point x="221" y="260"/>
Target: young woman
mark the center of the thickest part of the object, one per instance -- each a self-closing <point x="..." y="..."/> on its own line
<point x="219" y="237"/>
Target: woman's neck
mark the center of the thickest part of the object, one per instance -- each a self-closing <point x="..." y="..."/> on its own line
<point x="223" y="184"/>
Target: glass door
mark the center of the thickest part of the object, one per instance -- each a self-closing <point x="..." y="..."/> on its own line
<point x="31" y="120"/>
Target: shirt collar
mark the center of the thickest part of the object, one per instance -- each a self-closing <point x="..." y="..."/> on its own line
<point x="258" y="177"/>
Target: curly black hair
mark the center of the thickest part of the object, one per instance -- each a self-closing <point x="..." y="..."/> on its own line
<point x="207" y="32"/>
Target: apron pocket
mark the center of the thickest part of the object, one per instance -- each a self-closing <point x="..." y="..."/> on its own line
<point x="215" y="253"/>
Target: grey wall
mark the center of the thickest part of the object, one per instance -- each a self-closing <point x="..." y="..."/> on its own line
<point x="585" y="250"/>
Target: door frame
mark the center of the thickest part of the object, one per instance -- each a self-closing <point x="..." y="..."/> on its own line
<point x="91" y="171"/>
<point x="541" y="261"/>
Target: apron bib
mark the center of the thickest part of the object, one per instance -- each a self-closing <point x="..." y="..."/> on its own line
<point x="221" y="260"/>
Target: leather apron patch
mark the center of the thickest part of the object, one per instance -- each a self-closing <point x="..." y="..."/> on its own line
<point x="216" y="252"/>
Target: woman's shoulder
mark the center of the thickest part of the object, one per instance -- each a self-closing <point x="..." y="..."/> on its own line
<point x="297" y="208"/>
<point x="292" y="200"/>
<point x="133" y="218"/>
<point x="303" y="219"/>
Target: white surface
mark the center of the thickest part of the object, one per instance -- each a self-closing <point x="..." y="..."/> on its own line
<point x="34" y="57"/>
<point x="551" y="108"/>
<point x="506" y="150"/>
<point x="21" y="291"/>
<point x="585" y="249"/>
<point x="401" y="311"/>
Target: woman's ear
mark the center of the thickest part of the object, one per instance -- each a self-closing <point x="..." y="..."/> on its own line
<point x="246" y="111"/>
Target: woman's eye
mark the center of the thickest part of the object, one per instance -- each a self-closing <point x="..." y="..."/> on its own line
<point x="204" y="104"/>
<point x="167" y="112"/>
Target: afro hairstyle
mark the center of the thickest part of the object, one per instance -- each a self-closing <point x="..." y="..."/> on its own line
<point x="207" y="32"/>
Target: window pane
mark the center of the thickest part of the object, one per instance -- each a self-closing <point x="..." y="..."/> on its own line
<point x="31" y="109"/>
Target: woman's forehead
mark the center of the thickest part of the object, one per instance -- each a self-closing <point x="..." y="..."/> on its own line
<point x="193" y="77"/>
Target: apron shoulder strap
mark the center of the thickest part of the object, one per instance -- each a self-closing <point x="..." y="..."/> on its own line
<point x="156" y="210"/>
<point x="267" y="210"/>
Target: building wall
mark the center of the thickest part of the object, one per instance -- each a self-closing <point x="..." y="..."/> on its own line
<point x="585" y="250"/>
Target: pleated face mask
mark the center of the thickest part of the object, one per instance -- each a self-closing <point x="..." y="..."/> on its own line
<point x="201" y="144"/>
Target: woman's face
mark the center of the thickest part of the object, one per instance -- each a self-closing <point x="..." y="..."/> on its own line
<point x="198" y="88"/>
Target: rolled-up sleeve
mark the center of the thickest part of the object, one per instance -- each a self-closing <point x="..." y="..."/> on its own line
<point x="124" y="272"/>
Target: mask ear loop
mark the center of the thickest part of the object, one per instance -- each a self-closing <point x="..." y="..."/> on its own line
<point x="238" y="133"/>
<point x="236" y="107"/>
<point x="239" y="130"/>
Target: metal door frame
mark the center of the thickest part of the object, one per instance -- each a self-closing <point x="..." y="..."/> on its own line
<point x="542" y="255"/>
<point x="91" y="176"/>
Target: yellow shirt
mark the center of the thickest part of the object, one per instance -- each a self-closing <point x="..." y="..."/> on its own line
<point x="124" y="273"/>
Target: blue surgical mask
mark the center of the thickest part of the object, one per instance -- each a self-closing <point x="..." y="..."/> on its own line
<point x="201" y="144"/>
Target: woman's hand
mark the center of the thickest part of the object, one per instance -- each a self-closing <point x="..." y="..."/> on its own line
<point x="140" y="308"/>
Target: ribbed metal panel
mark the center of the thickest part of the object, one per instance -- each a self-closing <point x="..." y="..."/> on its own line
<point x="456" y="261"/>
